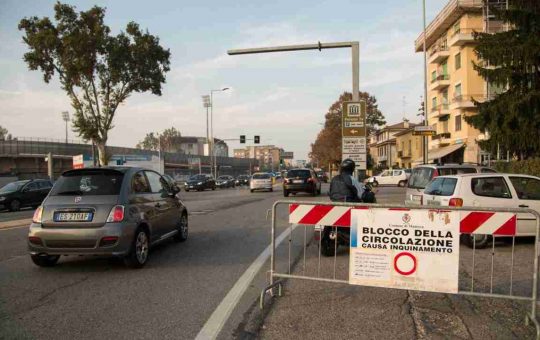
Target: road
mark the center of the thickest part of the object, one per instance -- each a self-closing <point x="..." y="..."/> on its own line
<point x="171" y="298"/>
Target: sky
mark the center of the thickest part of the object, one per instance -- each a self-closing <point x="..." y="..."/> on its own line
<point x="281" y="97"/>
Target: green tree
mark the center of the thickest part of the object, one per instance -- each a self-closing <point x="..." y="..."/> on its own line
<point x="97" y="70"/>
<point x="4" y="133"/>
<point x="510" y="60"/>
<point x="327" y="147"/>
<point x="169" y="139"/>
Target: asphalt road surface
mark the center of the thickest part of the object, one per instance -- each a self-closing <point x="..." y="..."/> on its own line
<point x="172" y="297"/>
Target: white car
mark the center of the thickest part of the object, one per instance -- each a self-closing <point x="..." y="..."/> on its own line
<point x="261" y="181"/>
<point x="390" y="177"/>
<point x="487" y="191"/>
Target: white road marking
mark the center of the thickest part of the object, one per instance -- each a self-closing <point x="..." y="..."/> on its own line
<point x="217" y="320"/>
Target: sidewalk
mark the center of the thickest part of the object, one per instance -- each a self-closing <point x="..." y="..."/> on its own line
<point x="318" y="310"/>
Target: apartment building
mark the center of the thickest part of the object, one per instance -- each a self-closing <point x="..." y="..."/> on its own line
<point x="409" y="147"/>
<point x="383" y="145"/>
<point x="453" y="84"/>
<point x="268" y="155"/>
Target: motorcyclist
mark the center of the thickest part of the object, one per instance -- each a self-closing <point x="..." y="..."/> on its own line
<point x="344" y="187"/>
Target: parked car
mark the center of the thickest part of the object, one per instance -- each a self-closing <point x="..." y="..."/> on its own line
<point x="422" y="174"/>
<point x="322" y="176"/>
<point x="397" y="177"/>
<point x="242" y="180"/>
<point x="225" y="181"/>
<point x="487" y="191"/>
<point x="261" y="181"/>
<point x="301" y="180"/>
<point x="27" y="193"/>
<point x="200" y="182"/>
<point x="116" y="211"/>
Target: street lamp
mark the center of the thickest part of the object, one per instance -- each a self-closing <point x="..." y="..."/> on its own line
<point x="65" y="118"/>
<point x="212" y="124"/>
<point x="207" y="103"/>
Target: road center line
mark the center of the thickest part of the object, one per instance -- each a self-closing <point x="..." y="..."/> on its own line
<point x="217" y="320"/>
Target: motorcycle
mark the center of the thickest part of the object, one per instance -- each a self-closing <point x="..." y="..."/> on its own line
<point x="332" y="237"/>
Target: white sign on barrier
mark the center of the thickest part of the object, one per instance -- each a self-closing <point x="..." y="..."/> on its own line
<point x="406" y="249"/>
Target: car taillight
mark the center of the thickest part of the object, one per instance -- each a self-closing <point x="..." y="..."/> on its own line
<point x="310" y="180"/>
<point x="35" y="240"/>
<point x="116" y="214"/>
<point x="37" y="215"/>
<point x="455" y="202"/>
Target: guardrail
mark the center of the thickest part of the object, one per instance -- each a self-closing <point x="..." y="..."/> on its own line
<point x="472" y="224"/>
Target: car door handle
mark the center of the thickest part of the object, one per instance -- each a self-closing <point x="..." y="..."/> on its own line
<point x="523" y="206"/>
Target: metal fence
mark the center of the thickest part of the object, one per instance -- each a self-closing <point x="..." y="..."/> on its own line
<point x="496" y="284"/>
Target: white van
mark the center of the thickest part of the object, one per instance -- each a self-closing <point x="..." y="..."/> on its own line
<point x="422" y="174"/>
<point x="488" y="191"/>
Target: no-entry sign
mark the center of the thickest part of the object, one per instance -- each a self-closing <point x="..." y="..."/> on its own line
<point x="404" y="249"/>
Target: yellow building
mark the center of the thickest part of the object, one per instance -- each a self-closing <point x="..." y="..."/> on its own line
<point x="409" y="148"/>
<point x="383" y="145"/>
<point x="453" y="84"/>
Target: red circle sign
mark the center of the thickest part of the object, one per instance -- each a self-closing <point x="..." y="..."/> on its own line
<point x="413" y="269"/>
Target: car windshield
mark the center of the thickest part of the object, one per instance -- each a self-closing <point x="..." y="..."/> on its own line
<point x="261" y="176"/>
<point x="299" y="173"/>
<point x="88" y="182"/>
<point x="197" y="178"/>
<point x="441" y="187"/>
<point x="11" y="187"/>
<point x="420" y="177"/>
<point x="223" y="178"/>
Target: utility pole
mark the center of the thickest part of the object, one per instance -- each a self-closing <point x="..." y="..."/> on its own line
<point x="65" y="118"/>
<point x="212" y="126"/>
<point x="207" y="103"/>
<point x="425" y="138"/>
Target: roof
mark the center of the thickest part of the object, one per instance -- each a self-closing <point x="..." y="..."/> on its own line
<point x="453" y="10"/>
<point x="404" y="132"/>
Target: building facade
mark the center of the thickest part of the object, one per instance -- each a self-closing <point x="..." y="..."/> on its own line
<point x="409" y="148"/>
<point x="268" y="156"/>
<point x="453" y="84"/>
<point x="383" y="145"/>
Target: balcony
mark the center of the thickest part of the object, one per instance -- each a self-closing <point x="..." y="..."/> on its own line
<point x="439" y="53"/>
<point x="404" y="154"/>
<point x="461" y="102"/>
<point x="442" y="138"/>
<point x="440" y="111"/>
<point x="461" y="37"/>
<point x="440" y="82"/>
<point x="383" y="158"/>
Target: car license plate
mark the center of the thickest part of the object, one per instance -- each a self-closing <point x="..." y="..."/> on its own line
<point x="298" y="181"/>
<point x="73" y="217"/>
<point x="433" y="202"/>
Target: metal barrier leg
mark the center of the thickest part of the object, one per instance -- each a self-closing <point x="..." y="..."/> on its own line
<point x="335" y="250"/>
<point x="320" y="245"/>
<point x="305" y="246"/>
<point x="473" y="253"/>
<point x="512" y="264"/>
<point x="492" y="262"/>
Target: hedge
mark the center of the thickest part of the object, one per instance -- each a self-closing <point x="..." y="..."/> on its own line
<point x="528" y="167"/>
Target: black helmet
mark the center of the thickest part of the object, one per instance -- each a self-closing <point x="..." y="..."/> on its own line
<point x="348" y="166"/>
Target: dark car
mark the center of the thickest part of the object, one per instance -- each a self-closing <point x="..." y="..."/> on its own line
<point x="225" y="181"/>
<point x="116" y="211"/>
<point x="200" y="182"/>
<point x="301" y="180"/>
<point x="322" y="176"/>
<point x="28" y="193"/>
<point x="243" y="180"/>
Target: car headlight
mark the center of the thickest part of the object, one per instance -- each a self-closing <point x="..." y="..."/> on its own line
<point x="200" y="183"/>
<point x="2" y="198"/>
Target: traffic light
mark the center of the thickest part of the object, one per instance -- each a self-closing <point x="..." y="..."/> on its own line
<point x="243" y="139"/>
<point x="257" y="139"/>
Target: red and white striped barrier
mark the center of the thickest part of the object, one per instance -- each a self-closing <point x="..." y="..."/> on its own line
<point x="471" y="222"/>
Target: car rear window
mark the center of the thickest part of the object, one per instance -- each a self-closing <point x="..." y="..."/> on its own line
<point x="441" y="187"/>
<point x="299" y="173"/>
<point x="420" y="177"/>
<point x="261" y="176"/>
<point x="88" y="182"/>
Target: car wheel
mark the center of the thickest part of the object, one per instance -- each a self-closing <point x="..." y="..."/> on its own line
<point x="285" y="193"/>
<point x="45" y="260"/>
<point x="138" y="254"/>
<point x="15" y="205"/>
<point x="214" y="188"/>
<point x="480" y="242"/>
<point x="401" y="183"/>
<point x="182" y="229"/>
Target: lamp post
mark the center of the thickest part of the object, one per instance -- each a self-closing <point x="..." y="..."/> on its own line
<point x="207" y="103"/>
<point x="212" y="125"/>
<point x="424" y="138"/>
<point x="65" y="118"/>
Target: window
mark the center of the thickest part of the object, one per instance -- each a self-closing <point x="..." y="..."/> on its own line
<point x="490" y="187"/>
<point x="456" y="28"/>
<point x="441" y="187"/>
<point x="457" y="90"/>
<point x="31" y="187"/>
<point x="444" y="67"/>
<point x="139" y="183"/>
<point x="410" y="147"/>
<point x="420" y="177"/>
<point x="445" y="98"/>
<point x="157" y="183"/>
<point x="44" y="184"/>
<point x="526" y="188"/>
<point x="433" y="76"/>
<point x="433" y="103"/>
<point x="88" y="182"/>
<point x="457" y="60"/>
<point x="397" y="173"/>
<point x="458" y="123"/>
<point x="297" y="173"/>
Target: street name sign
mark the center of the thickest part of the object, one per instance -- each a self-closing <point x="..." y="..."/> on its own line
<point x="405" y="249"/>
<point x="424" y="130"/>
<point x="354" y="133"/>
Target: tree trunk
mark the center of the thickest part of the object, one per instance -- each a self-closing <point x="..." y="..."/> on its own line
<point x="102" y="150"/>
